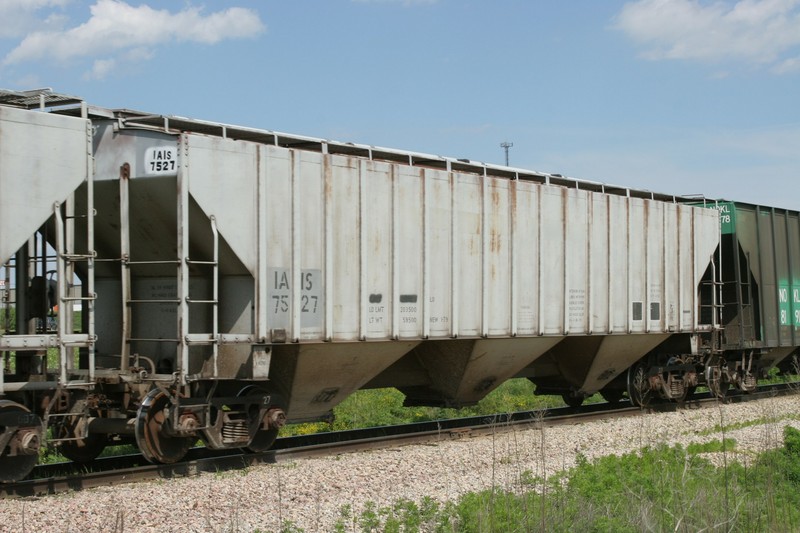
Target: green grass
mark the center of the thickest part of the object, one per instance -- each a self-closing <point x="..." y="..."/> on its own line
<point x="714" y="446"/>
<point x="657" y="489"/>
<point x="749" y="423"/>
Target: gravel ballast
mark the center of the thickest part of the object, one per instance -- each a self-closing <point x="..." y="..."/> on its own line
<point x="311" y="492"/>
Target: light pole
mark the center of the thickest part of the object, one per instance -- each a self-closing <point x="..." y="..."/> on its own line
<point x="505" y="145"/>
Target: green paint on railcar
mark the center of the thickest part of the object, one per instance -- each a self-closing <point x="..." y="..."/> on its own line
<point x="789" y="304"/>
<point x="727" y="214"/>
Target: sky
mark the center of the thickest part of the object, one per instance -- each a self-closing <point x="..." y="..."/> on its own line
<point x="674" y="96"/>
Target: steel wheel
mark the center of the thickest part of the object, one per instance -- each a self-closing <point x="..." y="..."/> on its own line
<point x="26" y="441"/>
<point x="717" y="383"/>
<point x="82" y="450"/>
<point x="263" y="439"/>
<point x="690" y="393"/>
<point x="152" y="436"/>
<point x="611" y="395"/>
<point x="572" y="401"/>
<point x="639" y="390"/>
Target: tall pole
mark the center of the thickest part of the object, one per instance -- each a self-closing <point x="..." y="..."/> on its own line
<point x="505" y="145"/>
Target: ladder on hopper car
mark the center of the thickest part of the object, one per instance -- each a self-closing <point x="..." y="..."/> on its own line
<point x="732" y="295"/>
<point x="184" y="339"/>
<point x="744" y="299"/>
<point x="710" y="309"/>
<point x="741" y="290"/>
<point x="735" y="291"/>
<point x="69" y="261"/>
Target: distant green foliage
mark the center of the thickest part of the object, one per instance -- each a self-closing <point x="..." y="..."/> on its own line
<point x="383" y="407"/>
<point x="9" y="323"/>
<point x="775" y="376"/>
<point x="52" y="354"/>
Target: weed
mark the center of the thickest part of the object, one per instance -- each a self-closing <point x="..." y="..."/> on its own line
<point x="718" y="428"/>
<point x="714" y="446"/>
<point x="290" y="527"/>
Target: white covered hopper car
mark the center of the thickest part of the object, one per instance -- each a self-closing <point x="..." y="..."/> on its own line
<point x="201" y="280"/>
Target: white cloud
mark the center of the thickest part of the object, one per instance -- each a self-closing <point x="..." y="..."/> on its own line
<point x="760" y="32"/>
<point x="116" y="27"/>
<point x="101" y="68"/>
<point x="788" y="65"/>
<point x="20" y="17"/>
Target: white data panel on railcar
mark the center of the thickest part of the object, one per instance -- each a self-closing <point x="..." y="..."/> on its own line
<point x="281" y="296"/>
<point x="161" y="161"/>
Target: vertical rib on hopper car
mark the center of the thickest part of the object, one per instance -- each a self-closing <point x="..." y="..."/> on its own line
<point x="230" y="279"/>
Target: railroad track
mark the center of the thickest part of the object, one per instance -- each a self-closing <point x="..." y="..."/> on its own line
<point x="107" y="471"/>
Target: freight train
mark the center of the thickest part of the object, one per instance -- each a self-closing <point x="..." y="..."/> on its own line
<point x="204" y="281"/>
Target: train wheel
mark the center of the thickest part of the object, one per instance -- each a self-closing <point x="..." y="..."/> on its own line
<point x="639" y="390"/>
<point x="571" y="400"/>
<point x="82" y="450"/>
<point x="21" y="452"/>
<point x="264" y="438"/>
<point x="718" y="383"/>
<point x="689" y="395"/>
<point x="152" y="434"/>
<point x="611" y="395"/>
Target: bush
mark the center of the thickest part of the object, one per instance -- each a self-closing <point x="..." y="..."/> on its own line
<point x="791" y="439"/>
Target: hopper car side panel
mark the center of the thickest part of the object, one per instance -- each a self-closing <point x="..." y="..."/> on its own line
<point x="443" y="250"/>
